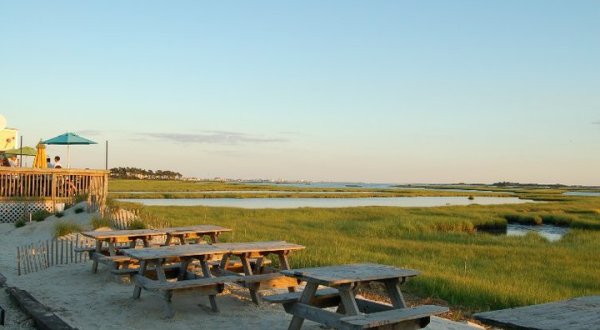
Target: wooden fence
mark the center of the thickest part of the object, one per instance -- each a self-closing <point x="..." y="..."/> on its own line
<point x="122" y="219"/>
<point x="56" y="185"/>
<point x="43" y="254"/>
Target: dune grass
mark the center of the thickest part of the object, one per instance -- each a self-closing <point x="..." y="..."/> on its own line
<point x="473" y="271"/>
<point x="63" y="228"/>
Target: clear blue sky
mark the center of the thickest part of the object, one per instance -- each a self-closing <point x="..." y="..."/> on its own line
<point x="378" y="91"/>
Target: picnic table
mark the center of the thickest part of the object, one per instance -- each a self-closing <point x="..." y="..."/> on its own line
<point x="252" y="256"/>
<point x="113" y="237"/>
<point x="185" y="280"/>
<point x="183" y="234"/>
<point x="342" y="283"/>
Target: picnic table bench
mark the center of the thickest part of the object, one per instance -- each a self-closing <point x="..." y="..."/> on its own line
<point x="252" y="256"/>
<point x="157" y="257"/>
<point x="117" y="240"/>
<point x="353" y="313"/>
<point x="157" y="260"/>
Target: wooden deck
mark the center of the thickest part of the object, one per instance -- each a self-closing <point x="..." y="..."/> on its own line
<point x="55" y="185"/>
<point x="579" y="313"/>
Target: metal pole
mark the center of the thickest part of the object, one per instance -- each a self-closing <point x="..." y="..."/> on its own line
<point x="106" y="157"/>
<point x="21" y="153"/>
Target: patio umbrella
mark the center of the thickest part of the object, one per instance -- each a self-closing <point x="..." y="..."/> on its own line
<point x="40" y="156"/>
<point x="68" y="139"/>
<point x="25" y="151"/>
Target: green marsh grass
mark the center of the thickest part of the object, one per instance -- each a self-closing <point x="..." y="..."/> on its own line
<point x="473" y="271"/>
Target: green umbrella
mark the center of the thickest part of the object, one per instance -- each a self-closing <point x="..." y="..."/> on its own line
<point x="68" y="139"/>
<point x="25" y="151"/>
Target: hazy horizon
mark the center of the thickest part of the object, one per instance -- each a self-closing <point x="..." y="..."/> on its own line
<point x="345" y="91"/>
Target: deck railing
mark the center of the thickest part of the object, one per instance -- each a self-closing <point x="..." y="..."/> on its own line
<point x="56" y="185"/>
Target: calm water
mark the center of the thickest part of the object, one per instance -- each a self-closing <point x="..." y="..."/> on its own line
<point x="283" y="203"/>
<point x="552" y="233"/>
<point x="244" y="192"/>
<point x="582" y="193"/>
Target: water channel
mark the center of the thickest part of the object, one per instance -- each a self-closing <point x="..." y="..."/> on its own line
<point x="282" y="203"/>
<point x="551" y="233"/>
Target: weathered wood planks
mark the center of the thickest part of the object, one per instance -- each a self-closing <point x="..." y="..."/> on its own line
<point x="575" y="314"/>
<point x="336" y="275"/>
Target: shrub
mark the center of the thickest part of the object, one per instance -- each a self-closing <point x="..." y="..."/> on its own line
<point x="98" y="222"/>
<point x="64" y="228"/>
<point x="81" y="198"/>
<point x="137" y="224"/>
<point x="40" y="215"/>
<point x="20" y="223"/>
<point x="79" y="210"/>
<point x="59" y="214"/>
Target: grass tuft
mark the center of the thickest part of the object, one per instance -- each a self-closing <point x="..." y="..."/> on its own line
<point x="99" y="222"/>
<point x="63" y="228"/>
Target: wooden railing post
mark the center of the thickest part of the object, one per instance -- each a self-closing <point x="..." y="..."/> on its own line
<point x="53" y="192"/>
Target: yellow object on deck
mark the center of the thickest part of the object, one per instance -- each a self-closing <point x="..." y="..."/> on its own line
<point x="40" y="157"/>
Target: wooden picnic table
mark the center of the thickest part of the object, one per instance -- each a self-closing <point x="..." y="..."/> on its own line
<point x="182" y="234"/>
<point x="158" y="256"/>
<point x="256" y="278"/>
<point x="111" y="237"/>
<point x="342" y="283"/>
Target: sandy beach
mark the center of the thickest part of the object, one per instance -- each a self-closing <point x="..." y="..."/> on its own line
<point x="98" y="301"/>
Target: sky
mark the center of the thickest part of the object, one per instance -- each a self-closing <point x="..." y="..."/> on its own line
<point x="362" y="91"/>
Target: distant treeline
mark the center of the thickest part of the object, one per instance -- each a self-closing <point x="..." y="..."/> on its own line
<point x="138" y="173"/>
<point x="517" y="184"/>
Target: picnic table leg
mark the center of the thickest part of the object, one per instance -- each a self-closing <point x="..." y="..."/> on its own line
<point x="95" y="256"/>
<point x="142" y="271"/>
<point x="168" y="240"/>
<point x="167" y="294"/>
<point x="307" y="295"/>
<point x="145" y="241"/>
<point x="214" y="237"/>
<point x="183" y="267"/>
<point x="393" y="289"/>
<point x="248" y="271"/>
<point x="224" y="261"/>
<point x="348" y="300"/>
<point x="285" y="265"/>
<point x="212" y="298"/>
<point x="111" y="248"/>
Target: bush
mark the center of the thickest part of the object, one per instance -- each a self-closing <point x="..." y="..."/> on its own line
<point x="59" y="214"/>
<point x="524" y="219"/>
<point x="99" y="222"/>
<point x="40" y="215"/>
<point x="64" y="228"/>
<point x="137" y="224"/>
<point x="20" y="223"/>
<point x="79" y="210"/>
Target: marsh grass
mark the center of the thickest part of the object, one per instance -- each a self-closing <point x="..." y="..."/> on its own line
<point x="155" y="189"/>
<point x="474" y="271"/>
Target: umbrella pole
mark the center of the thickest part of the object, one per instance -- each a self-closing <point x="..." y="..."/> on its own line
<point x="68" y="156"/>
